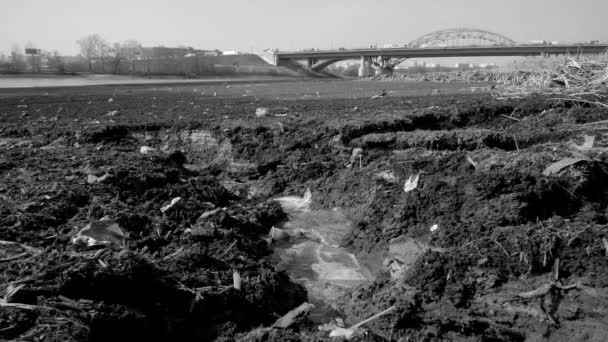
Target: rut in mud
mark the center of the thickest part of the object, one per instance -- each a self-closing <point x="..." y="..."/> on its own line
<point x="456" y="255"/>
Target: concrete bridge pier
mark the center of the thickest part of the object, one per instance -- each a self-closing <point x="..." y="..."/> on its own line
<point x="310" y="62"/>
<point x="365" y="67"/>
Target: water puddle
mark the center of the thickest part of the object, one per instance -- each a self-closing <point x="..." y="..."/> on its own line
<point x="312" y="256"/>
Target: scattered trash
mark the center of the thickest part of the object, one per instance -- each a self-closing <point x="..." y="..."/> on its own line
<point x="434" y="227"/>
<point x="147" y="149"/>
<point x="379" y="95"/>
<point x="411" y="183"/>
<point x="472" y="162"/>
<point x="352" y="331"/>
<point x="587" y="145"/>
<point x="110" y="100"/>
<point x="170" y="205"/>
<point x="92" y="179"/>
<point x="112" y="113"/>
<point x="403" y="252"/>
<point x="22" y="106"/>
<point x="278" y="234"/>
<point x="387" y="176"/>
<point x="210" y="213"/>
<point x="261" y="112"/>
<point x="236" y="280"/>
<point x="559" y="165"/>
<point x="289" y="318"/>
<point x="357" y="154"/>
<point x="105" y="232"/>
<point x="296" y="203"/>
<point x="435" y="92"/>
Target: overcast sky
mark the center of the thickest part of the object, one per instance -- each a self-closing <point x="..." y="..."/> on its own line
<point x="260" y="24"/>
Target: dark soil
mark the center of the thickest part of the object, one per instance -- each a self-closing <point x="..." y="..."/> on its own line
<point x="503" y="228"/>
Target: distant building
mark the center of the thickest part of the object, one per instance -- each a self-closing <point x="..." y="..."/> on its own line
<point x="161" y="52"/>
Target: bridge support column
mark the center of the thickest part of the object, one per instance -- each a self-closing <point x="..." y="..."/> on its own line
<point x="310" y="62"/>
<point x="365" y="68"/>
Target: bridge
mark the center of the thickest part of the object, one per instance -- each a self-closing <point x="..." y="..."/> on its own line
<point x="445" y="43"/>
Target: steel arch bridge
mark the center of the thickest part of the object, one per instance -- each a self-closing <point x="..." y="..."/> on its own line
<point x="461" y="37"/>
<point x="456" y="42"/>
<point x="454" y="37"/>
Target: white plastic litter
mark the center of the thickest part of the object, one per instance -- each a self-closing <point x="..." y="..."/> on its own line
<point x="170" y="205"/>
<point x="101" y="233"/>
<point x="411" y="183"/>
<point x="278" y="234"/>
<point x="261" y="112"/>
<point x="92" y="179"/>
<point x="295" y="203"/>
<point x="146" y="149"/>
<point x="434" y="227"/>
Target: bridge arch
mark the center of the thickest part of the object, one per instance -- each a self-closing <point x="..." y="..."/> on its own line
<point x="460" y="37"/>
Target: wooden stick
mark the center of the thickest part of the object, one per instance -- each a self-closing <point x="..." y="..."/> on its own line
<point x="376" y="316"/>
<point x="509" y="117"/>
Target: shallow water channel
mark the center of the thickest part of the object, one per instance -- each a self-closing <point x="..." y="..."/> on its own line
<point x="312" y="255"/>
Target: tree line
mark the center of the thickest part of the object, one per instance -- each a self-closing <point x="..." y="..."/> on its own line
<point x="93" y="50"/>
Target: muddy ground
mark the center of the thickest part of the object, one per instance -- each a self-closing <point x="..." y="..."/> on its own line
<point x="485" y="247"/>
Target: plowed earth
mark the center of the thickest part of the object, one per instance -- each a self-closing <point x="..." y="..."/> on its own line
<point x="501" y="229"/>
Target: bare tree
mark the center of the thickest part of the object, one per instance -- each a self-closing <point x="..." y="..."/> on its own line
<point x="126" y="51"/>
<point x="56" y="62"/>
<point x="91" y="47"/>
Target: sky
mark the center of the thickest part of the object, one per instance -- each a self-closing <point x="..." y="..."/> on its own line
<point x="254" y="25"/>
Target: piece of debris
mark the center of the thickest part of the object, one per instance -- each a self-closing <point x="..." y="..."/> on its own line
<point x="587" y="144"/>
<point x="110" y="100"/>
<point x="170" y="205"/>
<point x="112" y="113"/>
<point x="605" y="242"/>
<point x="210" y="213"/>
<point x="559" y="165"/>
<point x="380" y="95"/>
<point x="403" y="252"/>
<point x="472" y="162"/>
<point x="101" y="233"/>
<point x="236" y="280"/>
<point x="352" y="331"/>
<point x="261" y="112"/>
<point x="278" y="234"/>
<point x="22" y="106"/>
<point x="411" y="183"/>
<point x="357" y="154"/>
<point x="435" y="92"/>
<point x="147" y="149"/>
<point x="387" y="176"/>
<point x="434" y="227"/>
<point x="295" y="203"/>
<point x="27" y="250"/>
<point x="92" y="179"/>
<point x="289" y="318"/>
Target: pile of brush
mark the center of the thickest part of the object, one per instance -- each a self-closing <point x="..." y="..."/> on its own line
<point x="587" y="76"/>
<point x="578" y="81"/>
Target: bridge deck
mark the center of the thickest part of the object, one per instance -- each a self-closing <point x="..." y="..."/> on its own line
<point x="447" y="51"/>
